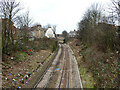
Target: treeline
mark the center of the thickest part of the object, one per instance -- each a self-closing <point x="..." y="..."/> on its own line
<point x="99" y="37"/>
<point x="10" y="15"/>
<point x="97" y="29"/>
<point x="16" y="25"/>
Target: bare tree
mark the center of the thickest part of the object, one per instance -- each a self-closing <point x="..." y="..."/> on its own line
<point x="23" y="22"/>
<point x="115" y="10"/>
<point x="87" y="26"/>
<point x="3" y="9"/>
<point x="95" y="13"/>
<point x="8" y="11"/>
<point x="111" y="19"/>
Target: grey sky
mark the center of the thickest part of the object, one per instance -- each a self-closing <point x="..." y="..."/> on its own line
<point x="63" y="13"/>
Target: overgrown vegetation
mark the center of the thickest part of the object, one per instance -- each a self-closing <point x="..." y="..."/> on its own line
<point x="20" y="56"/>
<point x="8" y="9"/>
<point x="94" y="31"/>
<point x="17" y="40"/>
<point x="100" y="46"/>
<point x="22" y="49"/>
<point x="97" y="69"/>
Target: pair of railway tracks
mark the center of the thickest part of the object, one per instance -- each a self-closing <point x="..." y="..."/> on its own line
<point x="65" y="61"/>
<point x="65" y="77"/>
<point x="47" y="74"/>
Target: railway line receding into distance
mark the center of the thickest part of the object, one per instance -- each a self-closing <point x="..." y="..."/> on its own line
<point x="68" y="73"/>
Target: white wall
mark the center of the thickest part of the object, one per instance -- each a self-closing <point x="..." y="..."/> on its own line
<point x="49" y="33"/>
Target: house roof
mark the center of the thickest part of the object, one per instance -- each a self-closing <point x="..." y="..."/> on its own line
<point x="72" y="32"/>
<point x="36" y="27"/>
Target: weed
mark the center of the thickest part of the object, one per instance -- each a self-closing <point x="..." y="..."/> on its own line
<point x="21" y="56"/>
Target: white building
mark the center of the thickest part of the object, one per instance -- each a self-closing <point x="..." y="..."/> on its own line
<point x="72" y="33"/>
<point x="50" y="33"/>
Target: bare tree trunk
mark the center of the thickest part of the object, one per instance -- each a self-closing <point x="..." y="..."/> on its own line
<point x="8" y="9"/>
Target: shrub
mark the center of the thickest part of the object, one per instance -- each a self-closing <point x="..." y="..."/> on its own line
<point x="21" y="56"/>
<point x="54" y="46"/>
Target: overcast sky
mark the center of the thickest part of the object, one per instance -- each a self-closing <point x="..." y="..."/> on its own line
<point x="63" y="13"/>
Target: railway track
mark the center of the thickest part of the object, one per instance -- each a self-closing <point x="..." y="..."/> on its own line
<point x="68" y="75"/>
<point x="65" y="77"/>
<point x="47" y="74"/>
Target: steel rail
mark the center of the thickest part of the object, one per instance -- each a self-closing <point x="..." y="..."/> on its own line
<point x="63" y="70"/>
<point x="41" y="77"/>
